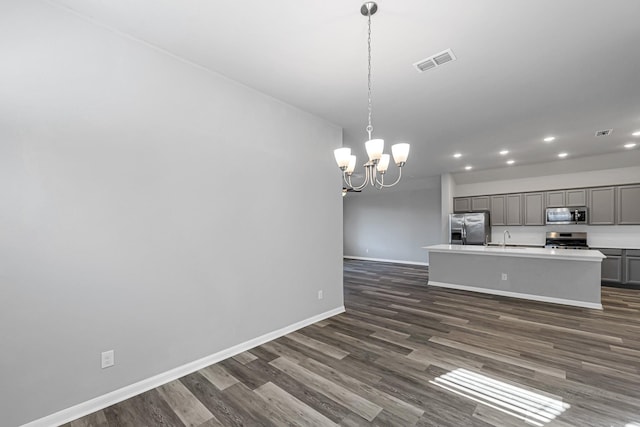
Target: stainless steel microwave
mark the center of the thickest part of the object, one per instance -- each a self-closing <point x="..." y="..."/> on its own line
<point x="566" y="216"/>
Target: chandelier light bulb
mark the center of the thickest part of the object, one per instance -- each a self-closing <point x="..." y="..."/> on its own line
<point x="342" y="155"/>
<point x="352" y="165"/>
<point x="374" y="147"/>
<point x="383" y="164"/>
<point x="400" y="153"/>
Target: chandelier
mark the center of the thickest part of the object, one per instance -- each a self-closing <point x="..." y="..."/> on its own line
<point x="378" y="163"/>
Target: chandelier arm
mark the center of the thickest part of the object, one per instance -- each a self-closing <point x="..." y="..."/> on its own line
<point x="344" y="179"/>
<point x="361" y="186"/>
<point x="379" y="185"/>
<point x="391" y="185"/>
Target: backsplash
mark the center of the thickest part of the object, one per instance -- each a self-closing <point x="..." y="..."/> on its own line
<point x="605" y="236"/>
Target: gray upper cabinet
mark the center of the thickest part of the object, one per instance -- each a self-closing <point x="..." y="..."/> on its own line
<point x="513" y="211"/>
<point x="602" y="206"/>
<point x="566" y="198"/>
<point x="468" y="204"/>
<point x="629" y="204"/>
<point x="533" y="208"/>
<point x="606" y="205"/>
<point x="498" y="210"/>
<point x="576" y="197"/>
<point x="462" y="204"/>
<point x="555" y="199"/>
<point x="480" y="203"/>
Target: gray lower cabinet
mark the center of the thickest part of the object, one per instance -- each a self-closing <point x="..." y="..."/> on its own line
<point x="612" y="266"/>
<point x="602" y="206"/>
<point x="629" y="204"/>
<point x="632" y="267"/>
<point x="533" y="208"/>
<point x="621" y="267"/>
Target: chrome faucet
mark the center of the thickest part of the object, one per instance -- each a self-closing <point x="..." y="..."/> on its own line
<point x="504" y="237"/>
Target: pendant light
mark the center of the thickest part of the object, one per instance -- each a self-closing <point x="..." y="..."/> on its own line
<point x="376" y="167"/>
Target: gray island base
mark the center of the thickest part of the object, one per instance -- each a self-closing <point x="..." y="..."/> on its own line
<point x="561" y="276"/>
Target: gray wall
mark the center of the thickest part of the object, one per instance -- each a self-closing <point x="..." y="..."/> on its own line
<point x="147" y="206"/>
<point x="392" y="224"/>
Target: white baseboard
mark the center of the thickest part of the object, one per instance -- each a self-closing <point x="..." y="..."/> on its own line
<point x="395" y="261"/>
<point x="101" y="402"/>
<point x="518" y="295"/>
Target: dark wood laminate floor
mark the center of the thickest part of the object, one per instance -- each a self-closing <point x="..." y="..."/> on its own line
<point x="406" y="354"/>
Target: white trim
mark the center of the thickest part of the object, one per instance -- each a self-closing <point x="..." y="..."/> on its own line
<point x="518" y="295"/>
<point x="101" y="402"/>
<point x="396" y="261"/>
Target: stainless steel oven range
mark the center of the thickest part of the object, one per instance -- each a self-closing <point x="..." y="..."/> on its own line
<point x="566" y="240"/>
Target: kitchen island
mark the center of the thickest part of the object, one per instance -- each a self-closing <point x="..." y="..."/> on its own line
<point x="562" y="276"/>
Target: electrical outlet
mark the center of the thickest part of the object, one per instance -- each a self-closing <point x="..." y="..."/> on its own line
<point x="367" y="250"/>
<point x="108" y="359"/>
<point x="320" y="294"/>
<point x="504" y="276"/>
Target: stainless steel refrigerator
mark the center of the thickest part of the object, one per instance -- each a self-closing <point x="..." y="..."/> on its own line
<point x="469" y="228"/>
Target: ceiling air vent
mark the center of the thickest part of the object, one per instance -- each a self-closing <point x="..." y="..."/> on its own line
<point x="435" y="61"/>
<point x="605" y="132"/>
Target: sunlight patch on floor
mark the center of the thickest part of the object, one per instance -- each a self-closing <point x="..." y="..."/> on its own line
<point x="526" y="405"/>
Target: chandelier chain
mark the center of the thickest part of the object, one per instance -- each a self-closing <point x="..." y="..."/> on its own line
<point x="369" y="127"/>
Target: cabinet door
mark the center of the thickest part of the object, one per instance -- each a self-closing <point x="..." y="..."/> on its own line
<point x="498" y="208"/>
<point x="480" y="203"/>
<point x="533" y="209"/>
<point x="514" y="209"/>
<point x="577" y="197"/>
<point x="602" y="204"/>
<point x="555" y="199"/>
<point x="462" y="204"/>
<point x="632" y="267"/>
<point x="629" y="204"/>
<point x="611" y="269"/>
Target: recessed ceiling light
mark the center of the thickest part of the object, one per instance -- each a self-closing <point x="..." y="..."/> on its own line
<point x="510" y="162"/>
<point x="504" y="152"/>
<point x="457" y="155"/>
<point x="468" y="168"/>
<point x="563" y="155"/>
<point x="630" y="145"/>
<point x="636" y="133"/>
<point x="549" y="138"/>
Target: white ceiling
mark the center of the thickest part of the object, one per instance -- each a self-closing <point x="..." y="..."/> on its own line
<point x="525" y="69"/>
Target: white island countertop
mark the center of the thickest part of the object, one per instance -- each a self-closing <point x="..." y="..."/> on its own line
<point x="521" y="252"/>
<point x="561" y="276"/>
